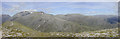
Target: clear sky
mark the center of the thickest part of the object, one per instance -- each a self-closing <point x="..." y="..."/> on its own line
<point x="59" y="0"/>
<point x="87" y="8"/>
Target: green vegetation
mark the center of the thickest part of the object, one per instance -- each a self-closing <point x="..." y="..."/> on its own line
<point x="50" y="23"/>
<point x="40" y="24"/>
<point x="18" y="30"/>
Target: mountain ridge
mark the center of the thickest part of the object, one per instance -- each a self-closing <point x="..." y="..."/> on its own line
<point x="44" y="22"/>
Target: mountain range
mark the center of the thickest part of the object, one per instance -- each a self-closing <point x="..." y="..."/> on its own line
<point x="44" y="22"/>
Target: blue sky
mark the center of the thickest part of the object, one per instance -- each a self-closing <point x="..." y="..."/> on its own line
<point x="86" y="8"/>
<point x="59" y="0"/>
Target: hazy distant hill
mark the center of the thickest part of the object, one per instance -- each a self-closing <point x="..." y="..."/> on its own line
<point x="97" y="21"/>
<point x="0" y="18"/>
<point x="4" y="18"/>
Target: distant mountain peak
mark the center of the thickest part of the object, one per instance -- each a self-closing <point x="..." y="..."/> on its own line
<point x="5" y="17"/>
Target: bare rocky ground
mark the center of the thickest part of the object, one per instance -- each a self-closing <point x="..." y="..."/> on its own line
<point x="100" y="33"/>
<point x="14" y="33"/>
